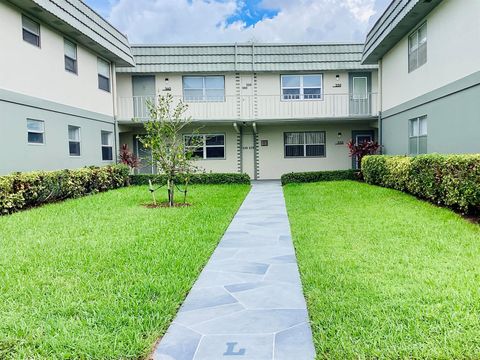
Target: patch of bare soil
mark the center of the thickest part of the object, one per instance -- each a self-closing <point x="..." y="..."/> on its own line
<point x="475" y="219"/>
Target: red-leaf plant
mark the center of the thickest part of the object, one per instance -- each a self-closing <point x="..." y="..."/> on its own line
<point x="358" y="151"/>
<point x="129" y="158"/>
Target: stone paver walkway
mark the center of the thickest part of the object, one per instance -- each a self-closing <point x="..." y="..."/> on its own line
<point x="248" y="301"/>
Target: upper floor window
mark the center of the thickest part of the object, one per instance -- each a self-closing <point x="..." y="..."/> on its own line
<point x="417" y="48"/>
<point x="302" y="87"/>
<point x="107" y="145"/>
<point x="103" y="75"/>
<point x="211" y="146"/>
<point x="70" y="56"/>
<point x="35" y="131"/>
<point x="417" y="136"/>
<point x="31" y="31"/>
<point x="74" y="140"/>
<point x="204" y="88"/>
<point x="304" y="144"/>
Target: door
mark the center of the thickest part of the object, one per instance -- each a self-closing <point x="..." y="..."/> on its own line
<point x="360" y="136"/>
<point x="360" y="94"/>
<point x="145" y="157"/>
<point x="143" y="88"/>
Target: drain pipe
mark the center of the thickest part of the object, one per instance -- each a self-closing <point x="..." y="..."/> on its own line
<point x="380" y="106"/>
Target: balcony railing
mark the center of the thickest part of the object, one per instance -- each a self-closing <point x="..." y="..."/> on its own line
<point x="266" y="107"/>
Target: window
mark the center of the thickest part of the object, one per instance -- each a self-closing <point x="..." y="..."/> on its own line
<point x="74" y="140"/>
<point x="211" y="146"/>
<point x="36" y="131"/>
<point x="204" y="88"/>
<point x="31" y="31"/>
<point x="417" y="48"/>
<point x="305" y="144"/>
<point x="107" y="145"/>
<point x="302" y="87"/>
<point x="70" y="56"/>
<point x="103" y="75"/>
<point x="418" y="136"/>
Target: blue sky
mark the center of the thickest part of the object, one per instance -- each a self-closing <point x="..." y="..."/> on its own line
<point x="193" y="21"/>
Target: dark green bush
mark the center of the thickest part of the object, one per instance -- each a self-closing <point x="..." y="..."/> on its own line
<point x="201" y="178"/>
<point x="315" y="176"/>
<point x="448" y="180"/>
<point x="24" y="190"/>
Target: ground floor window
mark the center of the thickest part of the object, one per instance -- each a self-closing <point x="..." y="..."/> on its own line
<point x="107" y="145"/>
<point x="74" y="140"/>
<point x="304" y="144"/>
<point x="212" y="146"/>
<point x="417" y="136"/>
<point x="36" y="131"/>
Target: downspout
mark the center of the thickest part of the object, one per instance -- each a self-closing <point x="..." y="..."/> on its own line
<point x="255" y="151"/>
<point x="380" y="106"/>
<point x="115" y="117"/>
<point x="236" y="56"/>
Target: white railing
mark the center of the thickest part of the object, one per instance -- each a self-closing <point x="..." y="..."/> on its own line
<point x="259" y="107"/>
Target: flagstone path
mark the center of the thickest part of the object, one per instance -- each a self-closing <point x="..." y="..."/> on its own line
<point x="248" y="301"/>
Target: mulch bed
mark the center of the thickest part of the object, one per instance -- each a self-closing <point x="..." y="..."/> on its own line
<point x="165" y="205"/>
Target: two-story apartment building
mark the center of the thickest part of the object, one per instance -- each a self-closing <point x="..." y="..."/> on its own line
<point x="57" y="85"/>
<point x="428" y="52"/>
<point x="261" y="109"/>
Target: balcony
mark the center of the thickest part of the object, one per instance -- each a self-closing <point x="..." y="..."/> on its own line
<point x="261" y="107"/>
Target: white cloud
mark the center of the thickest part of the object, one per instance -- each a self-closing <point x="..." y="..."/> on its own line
<point x="184" y="21"/>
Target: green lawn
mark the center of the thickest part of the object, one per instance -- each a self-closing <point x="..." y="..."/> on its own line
<point x="385" y="275"/>
<point x="102" y="277"/>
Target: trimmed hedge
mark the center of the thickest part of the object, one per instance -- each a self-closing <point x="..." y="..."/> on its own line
<point x="315" y="176"/>
<point x="201" y="178"/>
<point x="25" y="190"/>
<point x="447" y="180"/>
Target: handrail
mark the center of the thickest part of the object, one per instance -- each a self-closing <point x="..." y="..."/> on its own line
<point x="251" y="107"/>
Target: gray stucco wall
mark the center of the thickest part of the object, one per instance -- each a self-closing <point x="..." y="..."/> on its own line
<point x="453" y="122"/>
<point x="16" y="154"/>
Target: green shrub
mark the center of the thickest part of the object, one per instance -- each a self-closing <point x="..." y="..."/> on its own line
<point x="202" y="178"/>
<point x="315" y="176"/>
<point x="24" y="190"/>
<point x="449" y="180"/>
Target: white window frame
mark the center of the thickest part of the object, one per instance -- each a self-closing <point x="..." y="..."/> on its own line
<point x="205" y="146"/>
<point x="100" y="61"/>
<point x="301" y="87"/>
<point x="79" y="141"/>
<point x="419" y="134"/>
<point x="36" y="132"/>
<point x="110" y="143"/>
<point x="204" y="88"/>
<point x="38" y="35"/>
<point x="304" y="144"/>
<point x="414" y="47"/>
<point x="75" y="60"/>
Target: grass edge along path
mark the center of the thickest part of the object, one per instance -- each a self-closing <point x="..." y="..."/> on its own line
<point x="385" y="275"/>
<point x="101" y="277"/>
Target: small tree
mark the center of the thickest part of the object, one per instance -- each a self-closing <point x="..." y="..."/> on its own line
<point x="164" y="130"/>
<point x="358" y="151"/>
<point x="129" y="158"/>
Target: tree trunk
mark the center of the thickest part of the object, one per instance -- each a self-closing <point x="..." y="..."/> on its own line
<point x="171" y="189"/>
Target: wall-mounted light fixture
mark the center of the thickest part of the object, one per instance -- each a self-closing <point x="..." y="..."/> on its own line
<point x="166" y="80"/>
<point x="337" y="77"/>
<point x="339" y="135"/>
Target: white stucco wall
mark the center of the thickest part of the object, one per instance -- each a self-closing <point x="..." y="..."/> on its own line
<point x="227" y="165"/>
<point x="267" y="103"/>
<point x="453" y="52"/>
<point x="40" y="71"/>
<point x="273" y="163"/>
